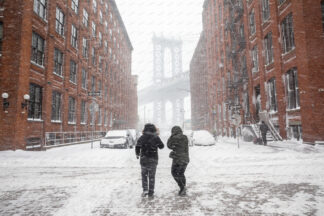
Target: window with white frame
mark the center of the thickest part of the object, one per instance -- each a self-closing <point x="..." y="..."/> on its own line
<point x="272" y="96"/>
<point x="268" y="48"/>
<point x="99" y="116"/>
<point x="106" y="26"/>
<point x="40" y="7"/>
<point x="265" y="10"/>
<point x="93" y="84"/>
<point x="74" y="37"/>
<point x="59" y="23"/>
<point x="94" y="6"/>
<point x="110" y="34"/>
<point x="35" y="102"/>
<point x="106" y="6"/>
<point x="83" y="112"/>
<point x="287" y="34"/>
<point x="84" y="78"/>
<point x="110" y="52"/>
<point x="56" y="106"/>
<point x="85" y="18"/>
<point x="73" y="71"/>
<point x="93" y="56"/>
<point x="292" y="90"/>
<point x="58" y="62"/>
<point x="85" y="48"/>
<point x="93" y="25"/>
<point x="106" y="47"/>
<point x="255" y="60"/>
<point x="100" y="38"/>
<point x="75" y="5"/>
<point x="252" y="22"/>
<point x="100" y="17"/>
<point x="72" y="110"/>
<point x="105" y="117"/>
<point x="38" y="48"/>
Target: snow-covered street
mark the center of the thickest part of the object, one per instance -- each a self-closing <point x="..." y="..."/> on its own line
<point x="280" y="179"/>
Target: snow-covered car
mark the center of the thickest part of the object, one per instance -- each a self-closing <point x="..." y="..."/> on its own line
<point x="134" y="136"/>
<point x="203" y="138"/>
<point x="189" y="134"/>
<point x="117" y="139"/>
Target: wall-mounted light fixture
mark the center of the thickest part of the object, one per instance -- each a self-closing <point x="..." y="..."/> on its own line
<point x="5" y="102"/>
<point x="24" y="104"/>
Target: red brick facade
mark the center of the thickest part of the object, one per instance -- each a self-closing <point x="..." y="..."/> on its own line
<point x="266" y="55"/>
<point x="109" y="68"/>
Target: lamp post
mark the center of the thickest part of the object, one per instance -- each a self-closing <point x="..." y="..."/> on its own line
<point x="5" y="102"/>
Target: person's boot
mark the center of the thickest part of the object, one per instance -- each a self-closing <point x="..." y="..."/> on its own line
<point x="145" y="193"/>
<point x="151" y="195"/>
<point x="183" y="191"/>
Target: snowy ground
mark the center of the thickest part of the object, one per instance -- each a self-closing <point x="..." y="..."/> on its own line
<point x="281" y="179"/>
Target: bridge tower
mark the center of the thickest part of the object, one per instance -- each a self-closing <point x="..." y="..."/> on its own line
<point x="160" y="47"/>
<point x="166" y="49"/>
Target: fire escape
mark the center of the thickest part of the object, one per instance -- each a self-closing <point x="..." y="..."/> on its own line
<point x="237" y="79"/>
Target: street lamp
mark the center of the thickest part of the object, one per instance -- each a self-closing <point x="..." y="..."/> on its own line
<point x="24" y="104"/>
<point x="5" y="102"/>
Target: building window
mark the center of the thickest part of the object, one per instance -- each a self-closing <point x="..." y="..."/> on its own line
<point x="85" y="19"/>
<point x="252" y="22"/>
<point x="40" y="8"/>
<point x="100" y="63"/>
<point x="85" y="47"/>
<point x="105" y="117"/>
<point x="287" y="33"/>
<point x="99" y="116"/>
<point x="75" y="5"/>
<point x="83" y="112"/>
<point x="93" y="84"/>
<point x="322" y="6"/>
<point x="100" y="17"/>
<point x="72" y="113"/>
<point x="272" y="97"/>
<point x="106" y="6"/>
<point x="265" y="10"/>
<point x="84" y="78"/>
<point x="1" y="37"/>
<point x="106" y="26"/>
<point x="74" y="37"/>
<point x="59" y="24"/>
<point x="99" y="87"/>
<point x="255" y="60"/>
<point x="73" y="71"/>
<point x="93" y="56"/>
<point x="94" y="6"/>
<point x="268" y="48"/>
<point x="280" y="2"/>
<point x="35" y="102"/>
<point x="38" y="45"/>
<point x="292" y="89"/>
<point x="58" y="62"/>
<point x="56" y="107"/>
<point x="106" y="47"/>
<point x="100" y="39"/>
<point x="93" y="29"/>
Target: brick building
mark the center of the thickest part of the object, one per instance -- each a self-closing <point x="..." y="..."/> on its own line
<point x="266" y="59"/>
<point x="58" y="52"/>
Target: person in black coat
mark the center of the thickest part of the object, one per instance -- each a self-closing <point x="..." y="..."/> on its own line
<point x="147" y="149"/>
<point x="264" y="129"/>
<point x="178" y="142"/>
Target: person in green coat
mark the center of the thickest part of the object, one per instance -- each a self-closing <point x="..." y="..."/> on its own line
<point x="178" y="143"/>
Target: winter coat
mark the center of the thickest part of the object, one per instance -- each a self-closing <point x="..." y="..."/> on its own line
<point x="179" y="144"/>
<point x="264" y="128"/>
<point x="147" y="146"/>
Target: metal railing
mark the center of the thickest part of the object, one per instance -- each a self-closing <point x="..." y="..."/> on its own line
<point x="65" y="138"/>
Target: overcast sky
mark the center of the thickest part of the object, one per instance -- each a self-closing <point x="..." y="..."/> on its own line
<point x="172" y="18"/>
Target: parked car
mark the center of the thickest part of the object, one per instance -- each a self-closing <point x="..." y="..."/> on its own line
<point x="117" y="139"/>
<point x="134" y="136"/>
<point x="189" y="134"/>
<point x="203" y="138"/>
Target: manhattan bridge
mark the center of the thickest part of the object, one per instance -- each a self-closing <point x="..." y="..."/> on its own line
<point x="170" y="84"/>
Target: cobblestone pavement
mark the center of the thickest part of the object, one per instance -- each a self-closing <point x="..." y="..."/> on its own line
<point x="225" y="187"/>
